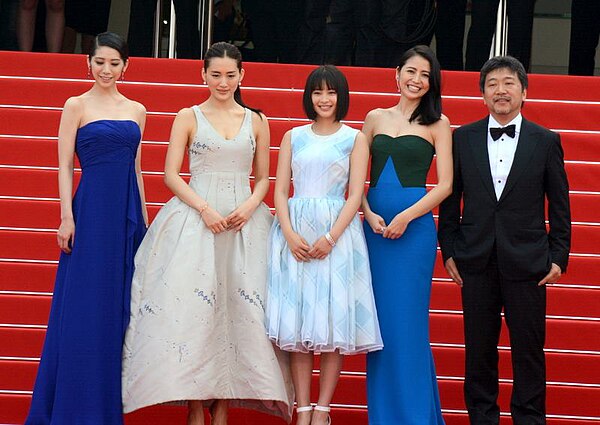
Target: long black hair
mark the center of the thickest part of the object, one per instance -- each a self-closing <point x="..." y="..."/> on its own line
<point x="112" y="40"/>
<point x="227" y="50"/>
<point x="333" y="79"/>
<point x="429" y="109"/>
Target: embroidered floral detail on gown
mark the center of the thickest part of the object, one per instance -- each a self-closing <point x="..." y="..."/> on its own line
<point x="198" y="299"/>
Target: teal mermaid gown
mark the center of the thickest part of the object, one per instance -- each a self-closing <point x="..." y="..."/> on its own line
<point x="401" y="380"/>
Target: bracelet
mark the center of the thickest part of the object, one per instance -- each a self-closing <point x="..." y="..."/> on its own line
<point x="204" y="207"/>
<point x="330" y="239"/>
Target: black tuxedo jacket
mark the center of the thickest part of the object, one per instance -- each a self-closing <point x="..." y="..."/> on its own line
<point x="514" y="224"/>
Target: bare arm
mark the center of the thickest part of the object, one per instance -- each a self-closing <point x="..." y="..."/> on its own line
<point x="181" y="132"/>
<point x="376" y="222"/>
<point x="69" y="123"/>
<point x="242" y="214"/>
<point x="359" y="159"/>
<point x="442" y="137"/>
<point x="296" y="243"/>
<point x="138" y="164"/>
<point x="450" y="212"/>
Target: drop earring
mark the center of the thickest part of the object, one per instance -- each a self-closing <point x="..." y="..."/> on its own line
<point x="122" y="76"/>
<point x="89" y="74"/>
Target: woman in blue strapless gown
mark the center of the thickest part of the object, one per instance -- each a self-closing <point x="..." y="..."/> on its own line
<point x="79" y="377"/>
<point x="401" y="238"/>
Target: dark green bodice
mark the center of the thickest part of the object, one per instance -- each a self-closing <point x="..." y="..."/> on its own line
<point x="411" y="156"/>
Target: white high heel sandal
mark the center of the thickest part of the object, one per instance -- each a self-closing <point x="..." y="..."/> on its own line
<point x="302" y="409"/>
<point x="324" y="409"/>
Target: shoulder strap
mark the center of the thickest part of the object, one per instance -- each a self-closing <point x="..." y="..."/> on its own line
<point x="200" y="118"/>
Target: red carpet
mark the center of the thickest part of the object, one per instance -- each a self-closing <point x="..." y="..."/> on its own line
<point x="33" y="88"/>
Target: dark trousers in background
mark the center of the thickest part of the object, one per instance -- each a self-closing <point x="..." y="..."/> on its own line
<point x="450" y="33"/>
<point x="484" y="295"/>
<point x="8" y="27"/>
<point x="141" y="27"/>
<point x="187" y="35"/>
<point x="374" y="32"/>
<point x="274" y="26"/>
<point x="483" y="25"/>
<point x="311" y="33"/>
<point x="87" y="17"/>
<point x="341" y="31"/>
<point x="404" y="24"/>
<point x="585" y="31"/>
<point x="348" y="36"/>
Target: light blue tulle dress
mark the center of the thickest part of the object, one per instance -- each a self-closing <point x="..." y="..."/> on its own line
<point x="321" y="305"/>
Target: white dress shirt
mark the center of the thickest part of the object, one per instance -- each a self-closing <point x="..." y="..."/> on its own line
<point x="502" y="152"/>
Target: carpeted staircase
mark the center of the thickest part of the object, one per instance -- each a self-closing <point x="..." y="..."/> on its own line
<point x="33" y="88"/>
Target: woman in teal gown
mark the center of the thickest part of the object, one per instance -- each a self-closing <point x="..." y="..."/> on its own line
<point x="401" y="238"/>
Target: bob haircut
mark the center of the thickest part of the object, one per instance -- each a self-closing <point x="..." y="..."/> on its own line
<point x="503" y="62"/>
<point x="333" y="79"/>
<point x="429" y="110"/>
<point x="112" y="40"/>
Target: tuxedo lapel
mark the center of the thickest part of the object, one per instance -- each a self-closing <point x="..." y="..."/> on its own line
<point x="525" y="147"/>
<point x="478" y="143"/>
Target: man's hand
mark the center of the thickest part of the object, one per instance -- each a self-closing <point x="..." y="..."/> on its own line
<point x="453" y="271"/>
<point x="552" y="276"/>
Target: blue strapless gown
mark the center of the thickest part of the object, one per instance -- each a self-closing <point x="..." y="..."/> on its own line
<point x="401" y="380"/>
<point x="79" y="377"/>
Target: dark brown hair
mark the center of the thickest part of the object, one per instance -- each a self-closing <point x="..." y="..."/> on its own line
<point x="227" y="50"/>
<point x="333" y="79"/>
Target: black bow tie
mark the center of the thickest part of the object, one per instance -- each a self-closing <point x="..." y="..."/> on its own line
<point x="497" y="132"/>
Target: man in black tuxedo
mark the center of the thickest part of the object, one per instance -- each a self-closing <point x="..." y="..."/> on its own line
<point x="499" y="251"/>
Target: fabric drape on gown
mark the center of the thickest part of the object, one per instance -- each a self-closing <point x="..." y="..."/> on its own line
<point x="79" y="377"/>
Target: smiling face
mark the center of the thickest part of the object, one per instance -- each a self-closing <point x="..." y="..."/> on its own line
<point x="107" y="66"/>
<point x="413" y="77"/>
<point x="503" y="94"/>
<point x="324" y="101"/>
<point x="222" y="77"/>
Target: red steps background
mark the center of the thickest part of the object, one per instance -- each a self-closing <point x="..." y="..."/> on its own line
<point x="33" y="88"/>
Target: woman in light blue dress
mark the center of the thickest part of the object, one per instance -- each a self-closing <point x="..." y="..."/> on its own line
<point x="320" y="298"/>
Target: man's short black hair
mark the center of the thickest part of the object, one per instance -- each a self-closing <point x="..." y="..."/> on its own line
<point x="501" y="62"/>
